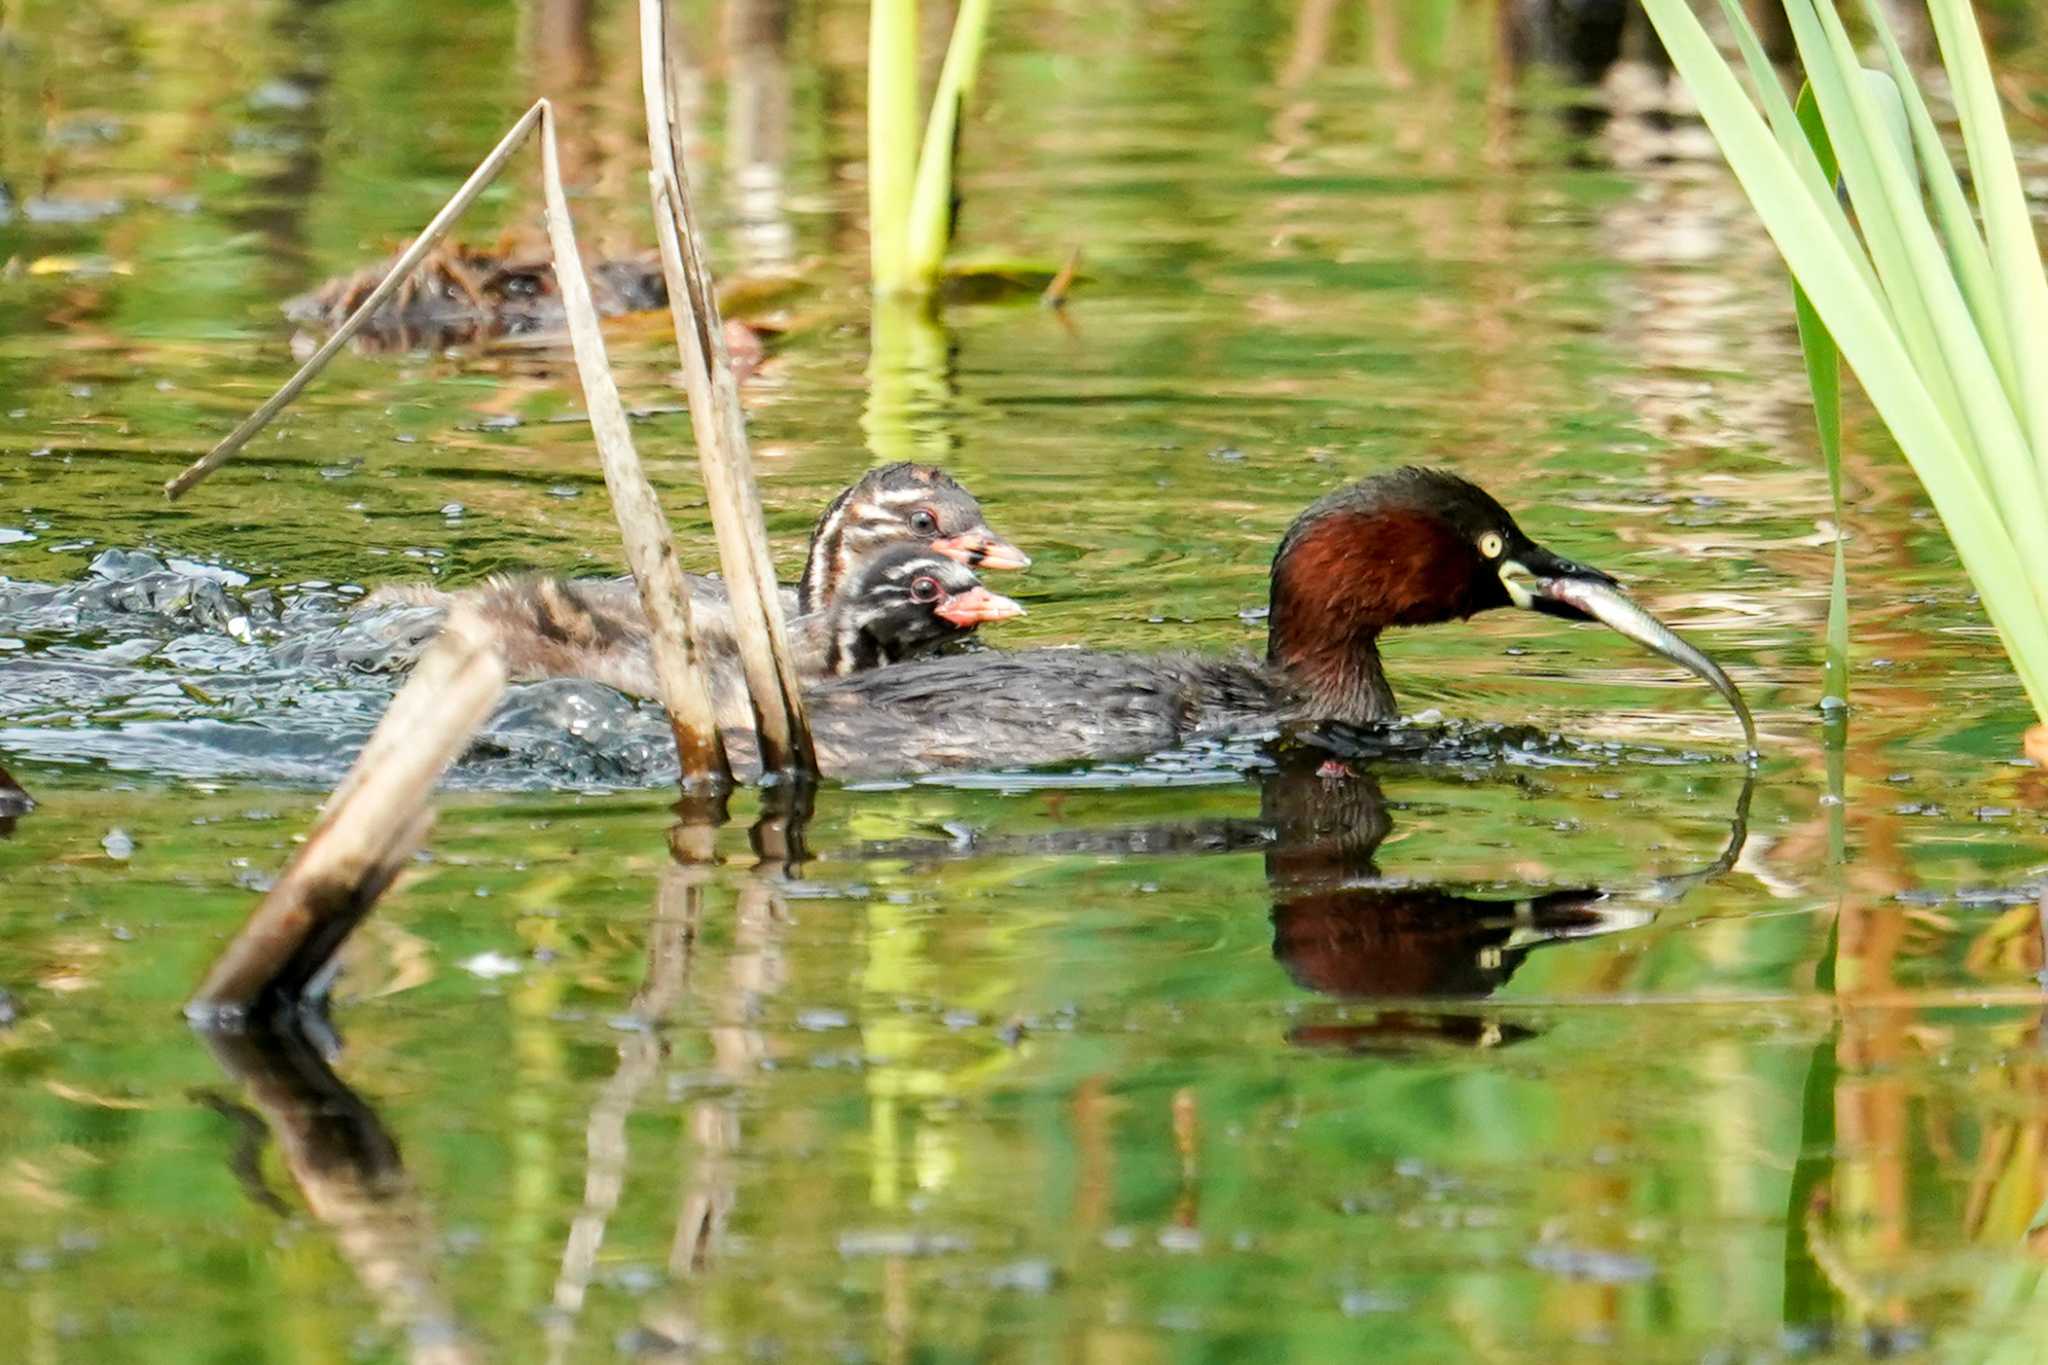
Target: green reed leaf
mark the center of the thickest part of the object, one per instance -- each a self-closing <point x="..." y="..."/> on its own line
<point x="892" y="139"/>
<point x="2011" y="572"/>
<point x="1824" y="377"/>
<point x="2009" y="227"/>
<point x="1796" y="139"/>
<point x="1967" y="254"/>
<point x="931" y="202"/>
<point x="1890" y="199"/>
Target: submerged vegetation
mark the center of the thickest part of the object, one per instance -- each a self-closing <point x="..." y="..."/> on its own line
<point x="1944" y="322"/>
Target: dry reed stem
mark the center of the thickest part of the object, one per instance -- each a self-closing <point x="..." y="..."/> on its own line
<point x="720" y="425"/>
<point x="650" y="552"/>
<point x="371" y="825"/>
<point x="401" y="270"/>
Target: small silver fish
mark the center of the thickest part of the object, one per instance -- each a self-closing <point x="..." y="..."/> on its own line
<point x="1615" y="610"/>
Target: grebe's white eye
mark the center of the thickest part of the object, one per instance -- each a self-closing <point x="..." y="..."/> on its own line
<point x="923" y="522"/>
<point x="1491" y="545"/>
<point x="924" y="589"/>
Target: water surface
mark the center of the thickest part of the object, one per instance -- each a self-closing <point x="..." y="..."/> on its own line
<point x="1569" y="1040"/>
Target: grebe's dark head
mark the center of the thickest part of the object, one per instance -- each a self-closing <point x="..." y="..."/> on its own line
<point x="912" y="504"/>
<point x="1412" y="548"/>
<point x="904" y="600"/>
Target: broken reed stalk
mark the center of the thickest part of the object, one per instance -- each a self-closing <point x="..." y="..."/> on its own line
<point x="371" y="825"/>
<point x="408" y="261"/>
<point x="719" y="425"/>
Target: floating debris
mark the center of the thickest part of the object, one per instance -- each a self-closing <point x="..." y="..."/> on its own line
<point x="462" y="293"/>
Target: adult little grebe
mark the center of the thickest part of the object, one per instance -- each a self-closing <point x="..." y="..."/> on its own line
<point x="1408" y="548"/>
<point x="901" y="600"/>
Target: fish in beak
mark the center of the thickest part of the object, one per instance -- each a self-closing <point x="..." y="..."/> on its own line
<point x="982" y="548"/>
<point x="976" y="607"/>
<point x="1537" y="580"/>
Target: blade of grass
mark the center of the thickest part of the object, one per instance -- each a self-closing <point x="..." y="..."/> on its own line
<point x="1824" y="376"/>
<point x="2008" y="225"/>
<point x="931" y="200"/>
<point x="1966" y="250"/>
<point x="430" y="236"/>
<point x="892" y="139"/>
<point x="1993" y="426"/>
<point x="1935" y="322"/>
<point x="1788" y="124"/>
<point x="1857" y="142"/>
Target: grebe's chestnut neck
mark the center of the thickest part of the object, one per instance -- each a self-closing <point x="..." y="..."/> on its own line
<point x="1411" y="548"/>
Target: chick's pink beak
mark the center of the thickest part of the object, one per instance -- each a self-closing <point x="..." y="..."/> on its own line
<point x="982" y="548"/>
<point x="977" y="607"/>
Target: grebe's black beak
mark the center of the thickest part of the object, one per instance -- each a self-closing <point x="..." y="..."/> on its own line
<point x="1538" y="580"/>
<point x="1528" y="570"/>
<point x="982" y="548"/>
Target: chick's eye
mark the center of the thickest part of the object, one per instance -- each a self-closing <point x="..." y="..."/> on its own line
<point x="923" y="589"/>
<point x="1491" y="545"/>
<point x="923" y="522"/>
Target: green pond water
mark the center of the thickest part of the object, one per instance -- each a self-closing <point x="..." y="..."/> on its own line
<point x="1577" y="1043"/>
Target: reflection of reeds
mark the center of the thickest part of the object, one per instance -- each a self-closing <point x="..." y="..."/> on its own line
<point x="754" y="971"/>
<point x="2009" y="1185"/>
<point x="678" y="909"/>
<point x="348" y="1168"/>
<point x="2007" y="1205"/>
